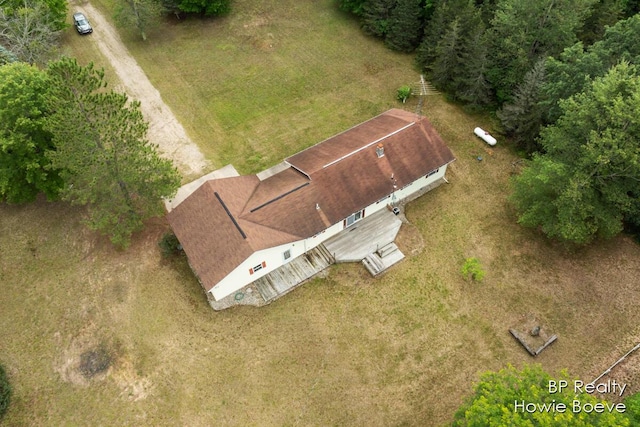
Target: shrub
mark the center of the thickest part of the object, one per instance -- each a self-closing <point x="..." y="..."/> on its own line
<point x="5" y="392"/>
<point x="472" y="269"/>
<point x="403" y="93"/>
<point x="169" y="245"/>
<point x="633" y="408"/>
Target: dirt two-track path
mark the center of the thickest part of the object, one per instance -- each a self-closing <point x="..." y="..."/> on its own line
<point x="164" y="128"/>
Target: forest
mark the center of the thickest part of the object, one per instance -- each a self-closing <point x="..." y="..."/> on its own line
<point x="560" y="77"/>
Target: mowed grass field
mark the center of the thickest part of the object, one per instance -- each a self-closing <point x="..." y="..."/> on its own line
<point x="401" y="349"/>
<point x="269" y="79"/>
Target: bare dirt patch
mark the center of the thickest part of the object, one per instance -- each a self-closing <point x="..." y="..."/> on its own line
<point x="84" y="359"/>
<point x="95" y="361"/>
<point x="164" y="129"/>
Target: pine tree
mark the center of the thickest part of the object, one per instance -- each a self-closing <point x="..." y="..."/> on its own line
<point x="443" y="15"/>
<point x="352" y="6"/>
<point x="102" y="151"/>
<point x="6" y="56"/>
<point x="471" y="84"/>
<point x="376" y="15"/>
<point x="522" y="118"/>
<point x="205" y="7"/>
<point x="457" y="62"/>
<point x="523" y="31"/>
<point x="602" y="14"/>
<point x="405" y="26"/>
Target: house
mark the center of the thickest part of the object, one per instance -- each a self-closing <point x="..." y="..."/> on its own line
<point x="238" y="229"/>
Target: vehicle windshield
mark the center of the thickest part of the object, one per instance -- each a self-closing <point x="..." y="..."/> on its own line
<point x="82" y="22"/>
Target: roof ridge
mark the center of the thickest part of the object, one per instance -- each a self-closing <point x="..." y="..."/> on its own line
<point x="368" y="145"/>
<point x="387" y="112"/>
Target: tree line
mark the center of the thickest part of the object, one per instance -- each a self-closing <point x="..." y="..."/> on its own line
<point x="561" y="77"/>
<point x="146" y="14"/>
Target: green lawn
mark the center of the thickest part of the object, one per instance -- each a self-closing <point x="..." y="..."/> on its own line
<point x="271" y="78"/>
<point x="402" y="349"/>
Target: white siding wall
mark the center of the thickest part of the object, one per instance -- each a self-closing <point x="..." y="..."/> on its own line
<point x="273" y="257"/>
<point x="419" y="184"/>
<point x="240" y="277"/>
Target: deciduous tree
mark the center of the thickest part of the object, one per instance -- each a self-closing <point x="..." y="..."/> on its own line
<point x="23" y="140"/>
<point x="101" y="147"/>
<point x="30" y="31"/>
<point x="588" y="181"/>
<point x="57" y="10"/>
<point x="632" y="404"/>
<point x="573" y="70"/>
<point x="140" y="14"/>
<point x="496" y="395"/>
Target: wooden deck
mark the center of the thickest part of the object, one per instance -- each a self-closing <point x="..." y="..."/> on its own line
<point x="294" y="273"/>
<point x="364" y="237"/>
<point x="369" y="241"/>
<point x="279" y="282"/>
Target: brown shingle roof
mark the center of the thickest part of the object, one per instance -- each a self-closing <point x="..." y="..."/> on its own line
<point x="206" y="232"/>
<point x="316" y="157"/>
<point x="343" y="175"/>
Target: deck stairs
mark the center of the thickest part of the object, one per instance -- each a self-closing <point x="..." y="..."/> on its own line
<point x="382" y="259"/>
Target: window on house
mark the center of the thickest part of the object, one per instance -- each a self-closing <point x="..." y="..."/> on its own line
<point x="353" y="218"/>
<point x="286" y="254"/>
<point x="433" y="172"/>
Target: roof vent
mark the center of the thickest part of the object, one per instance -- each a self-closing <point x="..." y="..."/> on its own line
<point x="380" y="150"/>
